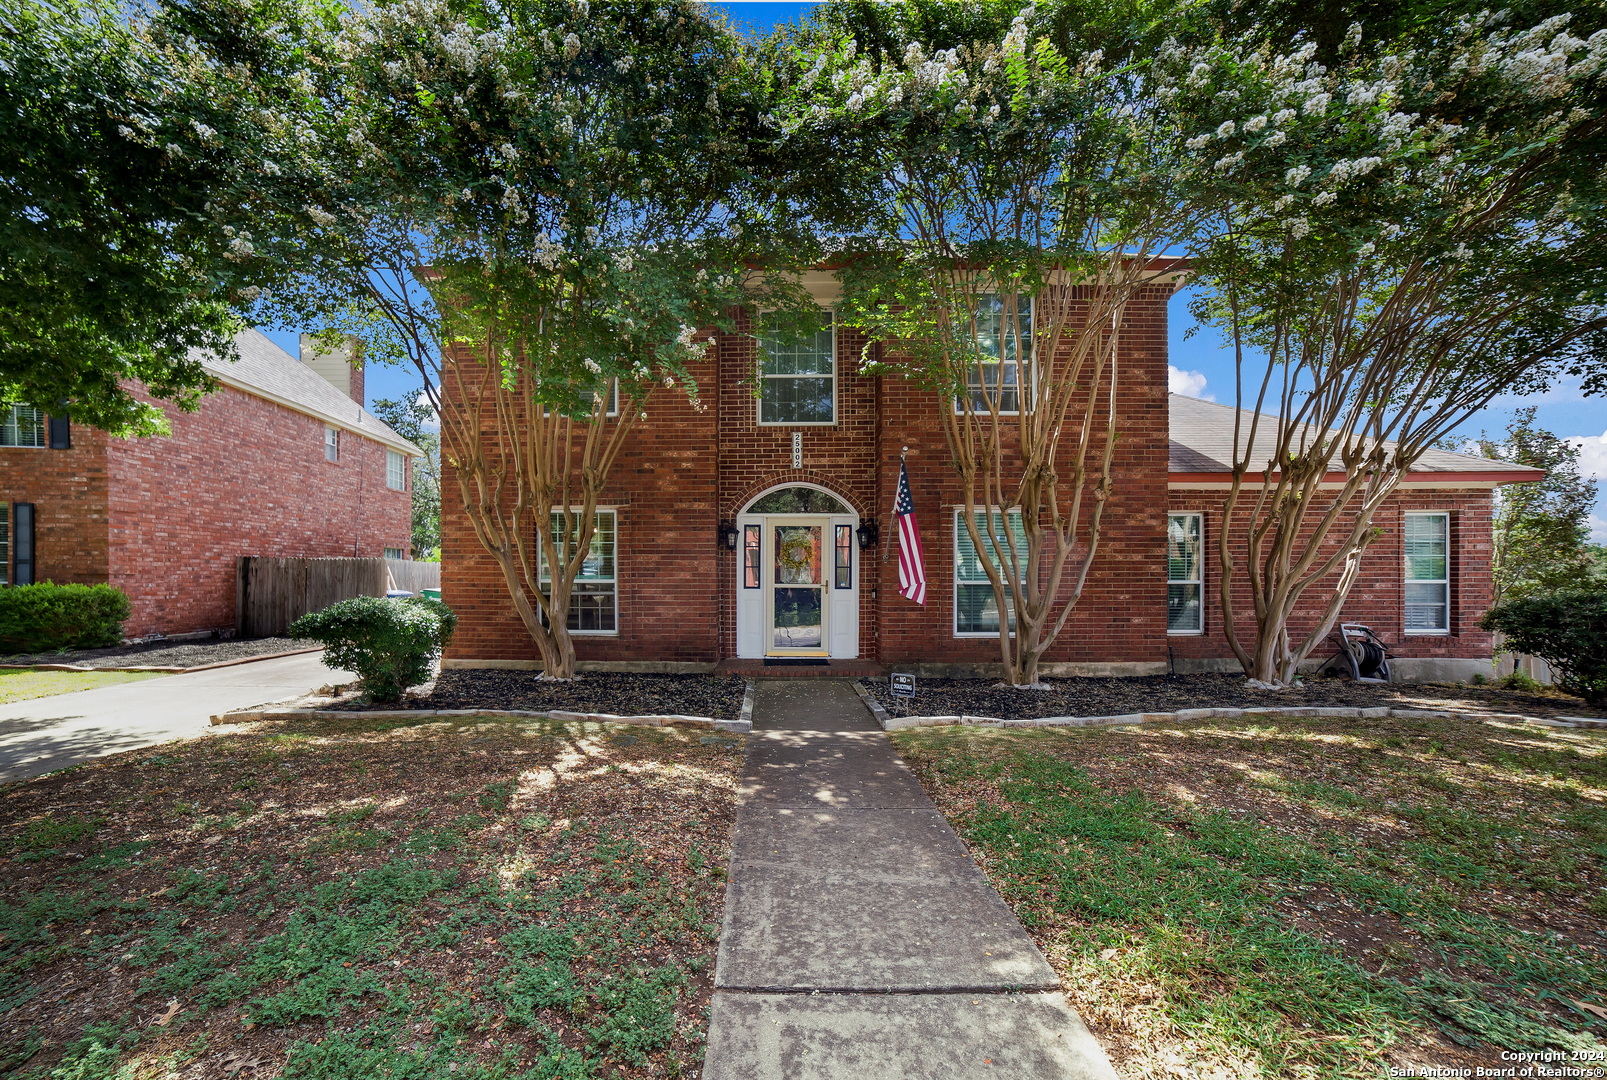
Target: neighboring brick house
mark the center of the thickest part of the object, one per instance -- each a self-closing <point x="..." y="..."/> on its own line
<point x="278" y="461"/>
<point x="819" y="451"/>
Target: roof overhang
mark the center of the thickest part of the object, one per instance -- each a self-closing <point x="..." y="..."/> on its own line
<point x="396" y="443"/>
<point x="1416" y="481"/>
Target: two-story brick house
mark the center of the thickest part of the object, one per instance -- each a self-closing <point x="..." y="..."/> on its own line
<point x="702" y="509"/>
<point x="281" y="460"/>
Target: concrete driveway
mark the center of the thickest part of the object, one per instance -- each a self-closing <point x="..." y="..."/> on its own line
<point x="49" y="733"/>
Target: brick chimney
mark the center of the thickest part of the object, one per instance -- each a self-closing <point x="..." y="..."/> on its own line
<point x="342" y="368"/>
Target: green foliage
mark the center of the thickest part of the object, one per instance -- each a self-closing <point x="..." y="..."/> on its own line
<point x="51" y="832"/>
<point x="1567" y="629"/>
<point x="124" y="240"/>
<point x="389" y="644"/>
<point x="46" y="617"/>
<point x="1541" y="527"/>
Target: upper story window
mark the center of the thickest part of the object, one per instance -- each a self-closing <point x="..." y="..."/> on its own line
<point x="22" y="425"/>
<point x="1185" y="583"/>
<point x="331" y="443"/>
<point x="797" y="374"/>
<point x="1004" y="345"/>
<point x="1428" y="573"/>
<point x="395" y="471"/>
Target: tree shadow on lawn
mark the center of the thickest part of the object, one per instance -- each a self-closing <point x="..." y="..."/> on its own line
<point x="1298" y="898"/>
<point x="363" y="898"/>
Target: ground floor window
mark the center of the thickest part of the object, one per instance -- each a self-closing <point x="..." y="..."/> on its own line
<point x="594" y="601"/>
<point x="976" y="608"/>
<point x="394" y="553"/>
<point x="1428" y="573"/>
<point x="1185" y="585"/>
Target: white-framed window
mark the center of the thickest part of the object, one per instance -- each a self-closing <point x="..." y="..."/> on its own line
<point x="395" y="553"/>
<point x="331" y="443"/>
<point x="976" y="609"/>
<point x="594" y="601"/>
<point x="395" y="470"/>
<point x="22" y="425"/>
<point x="797" y="375"/>
<point x="1185" y="579"/>
<point x="1427" y="542"/>
<point x="1003" y="351"/>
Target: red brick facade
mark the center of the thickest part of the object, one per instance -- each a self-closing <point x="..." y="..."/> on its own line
<point x="165" y="518"/>
<point x="686" y="472"/>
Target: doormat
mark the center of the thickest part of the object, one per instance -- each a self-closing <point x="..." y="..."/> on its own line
<point x="796" y="661"/>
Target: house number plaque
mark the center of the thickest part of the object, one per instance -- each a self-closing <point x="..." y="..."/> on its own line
<point x="797" y="449"/>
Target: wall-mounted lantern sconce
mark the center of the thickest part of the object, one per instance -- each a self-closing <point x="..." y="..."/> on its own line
<point x="728" y="535"/>
<point x="868" y="534"/>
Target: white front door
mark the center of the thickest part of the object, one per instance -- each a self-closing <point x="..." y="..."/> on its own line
<point x="797" y="586"/>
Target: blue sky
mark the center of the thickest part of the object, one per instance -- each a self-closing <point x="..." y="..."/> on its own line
<point x="1201" y="365"/>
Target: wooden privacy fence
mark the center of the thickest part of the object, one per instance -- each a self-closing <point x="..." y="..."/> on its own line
<point x="414" y="576"/>
<point x="271" y="593"/>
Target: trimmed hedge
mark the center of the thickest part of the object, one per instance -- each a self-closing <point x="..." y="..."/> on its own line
<point x="1566" y="629"/>
<point x="387" y="643"/>
<point x="47" y="617"/>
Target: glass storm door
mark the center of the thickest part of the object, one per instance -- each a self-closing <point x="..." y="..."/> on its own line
<point x="796" y="588"/>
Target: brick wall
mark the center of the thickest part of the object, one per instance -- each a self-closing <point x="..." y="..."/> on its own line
<point x="1378" y="597"/>
<point x="684" y="472"/>
<point x="68" y="490"/>
<point x="241" y="476"/>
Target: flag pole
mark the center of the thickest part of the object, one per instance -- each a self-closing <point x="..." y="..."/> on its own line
<point x="892" y="513"/>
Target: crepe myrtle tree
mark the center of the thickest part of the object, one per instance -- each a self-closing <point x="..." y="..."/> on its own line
<point x="130" y="168"/>
<point x="542" y="209"/>
<point x="1020" y="194"/>
<point x="1409" y="235"/>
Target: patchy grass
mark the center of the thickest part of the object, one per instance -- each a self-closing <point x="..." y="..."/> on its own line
<point x="364" y="898"/>
<point x="1299" y="898"/>
<point x="20" y="684"/>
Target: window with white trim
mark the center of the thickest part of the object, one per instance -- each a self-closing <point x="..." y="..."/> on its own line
<point x="594" y="600"/>
<point x="1004" y="345"/>
<point x="394" y="553"/>
<point x="797" y="374"/>
<point x="22" y="425"/>
<point x="1427" y="542"/>
<point x="395" y="470"/>
<point x="331" y="443"/>
<point x="1185" y="584"/>
<point x="976" y="609"/>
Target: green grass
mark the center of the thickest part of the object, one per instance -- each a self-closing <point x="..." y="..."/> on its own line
<point x="20" y="684"/>
<point x="1300" y="899"/>
<point x="357" y="918"/>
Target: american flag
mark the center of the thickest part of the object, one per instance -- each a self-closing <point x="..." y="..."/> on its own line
<point x="911" y="568"/>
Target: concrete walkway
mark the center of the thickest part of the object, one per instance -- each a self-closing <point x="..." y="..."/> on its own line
<point x="860" y="940"/>
<point x="42" y="735"/>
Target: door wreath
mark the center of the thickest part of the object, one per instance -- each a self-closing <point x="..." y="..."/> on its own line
<point x="796" y="554"/>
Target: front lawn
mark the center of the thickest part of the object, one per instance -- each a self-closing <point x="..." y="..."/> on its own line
<point x="1299" y="898"/>
<point x="20" y="684"/>
<point x="365" y="899"/>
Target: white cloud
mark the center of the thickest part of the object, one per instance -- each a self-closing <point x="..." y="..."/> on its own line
<point x="1598" y="529"/>
<point x="1188" y="383"/>
<point x="1592" y="454"/>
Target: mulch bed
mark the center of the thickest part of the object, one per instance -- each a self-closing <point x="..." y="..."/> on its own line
<point x="717" y="696"/>
<point x="166" y="653"/>
<point x="1171" y="693"/>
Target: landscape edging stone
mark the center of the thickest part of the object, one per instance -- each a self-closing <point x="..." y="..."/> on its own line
<point x="251" y="716"/>
<point x="895" y="723"/>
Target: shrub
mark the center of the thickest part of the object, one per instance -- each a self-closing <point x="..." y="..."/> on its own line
<point x="1566" y="629"/>
<point x="46" y="617"/>
<point x="389" y="644"/>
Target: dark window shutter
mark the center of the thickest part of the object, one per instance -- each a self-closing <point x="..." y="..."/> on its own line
<point x="61" y="433"/>
<point x="22" y="543"/>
